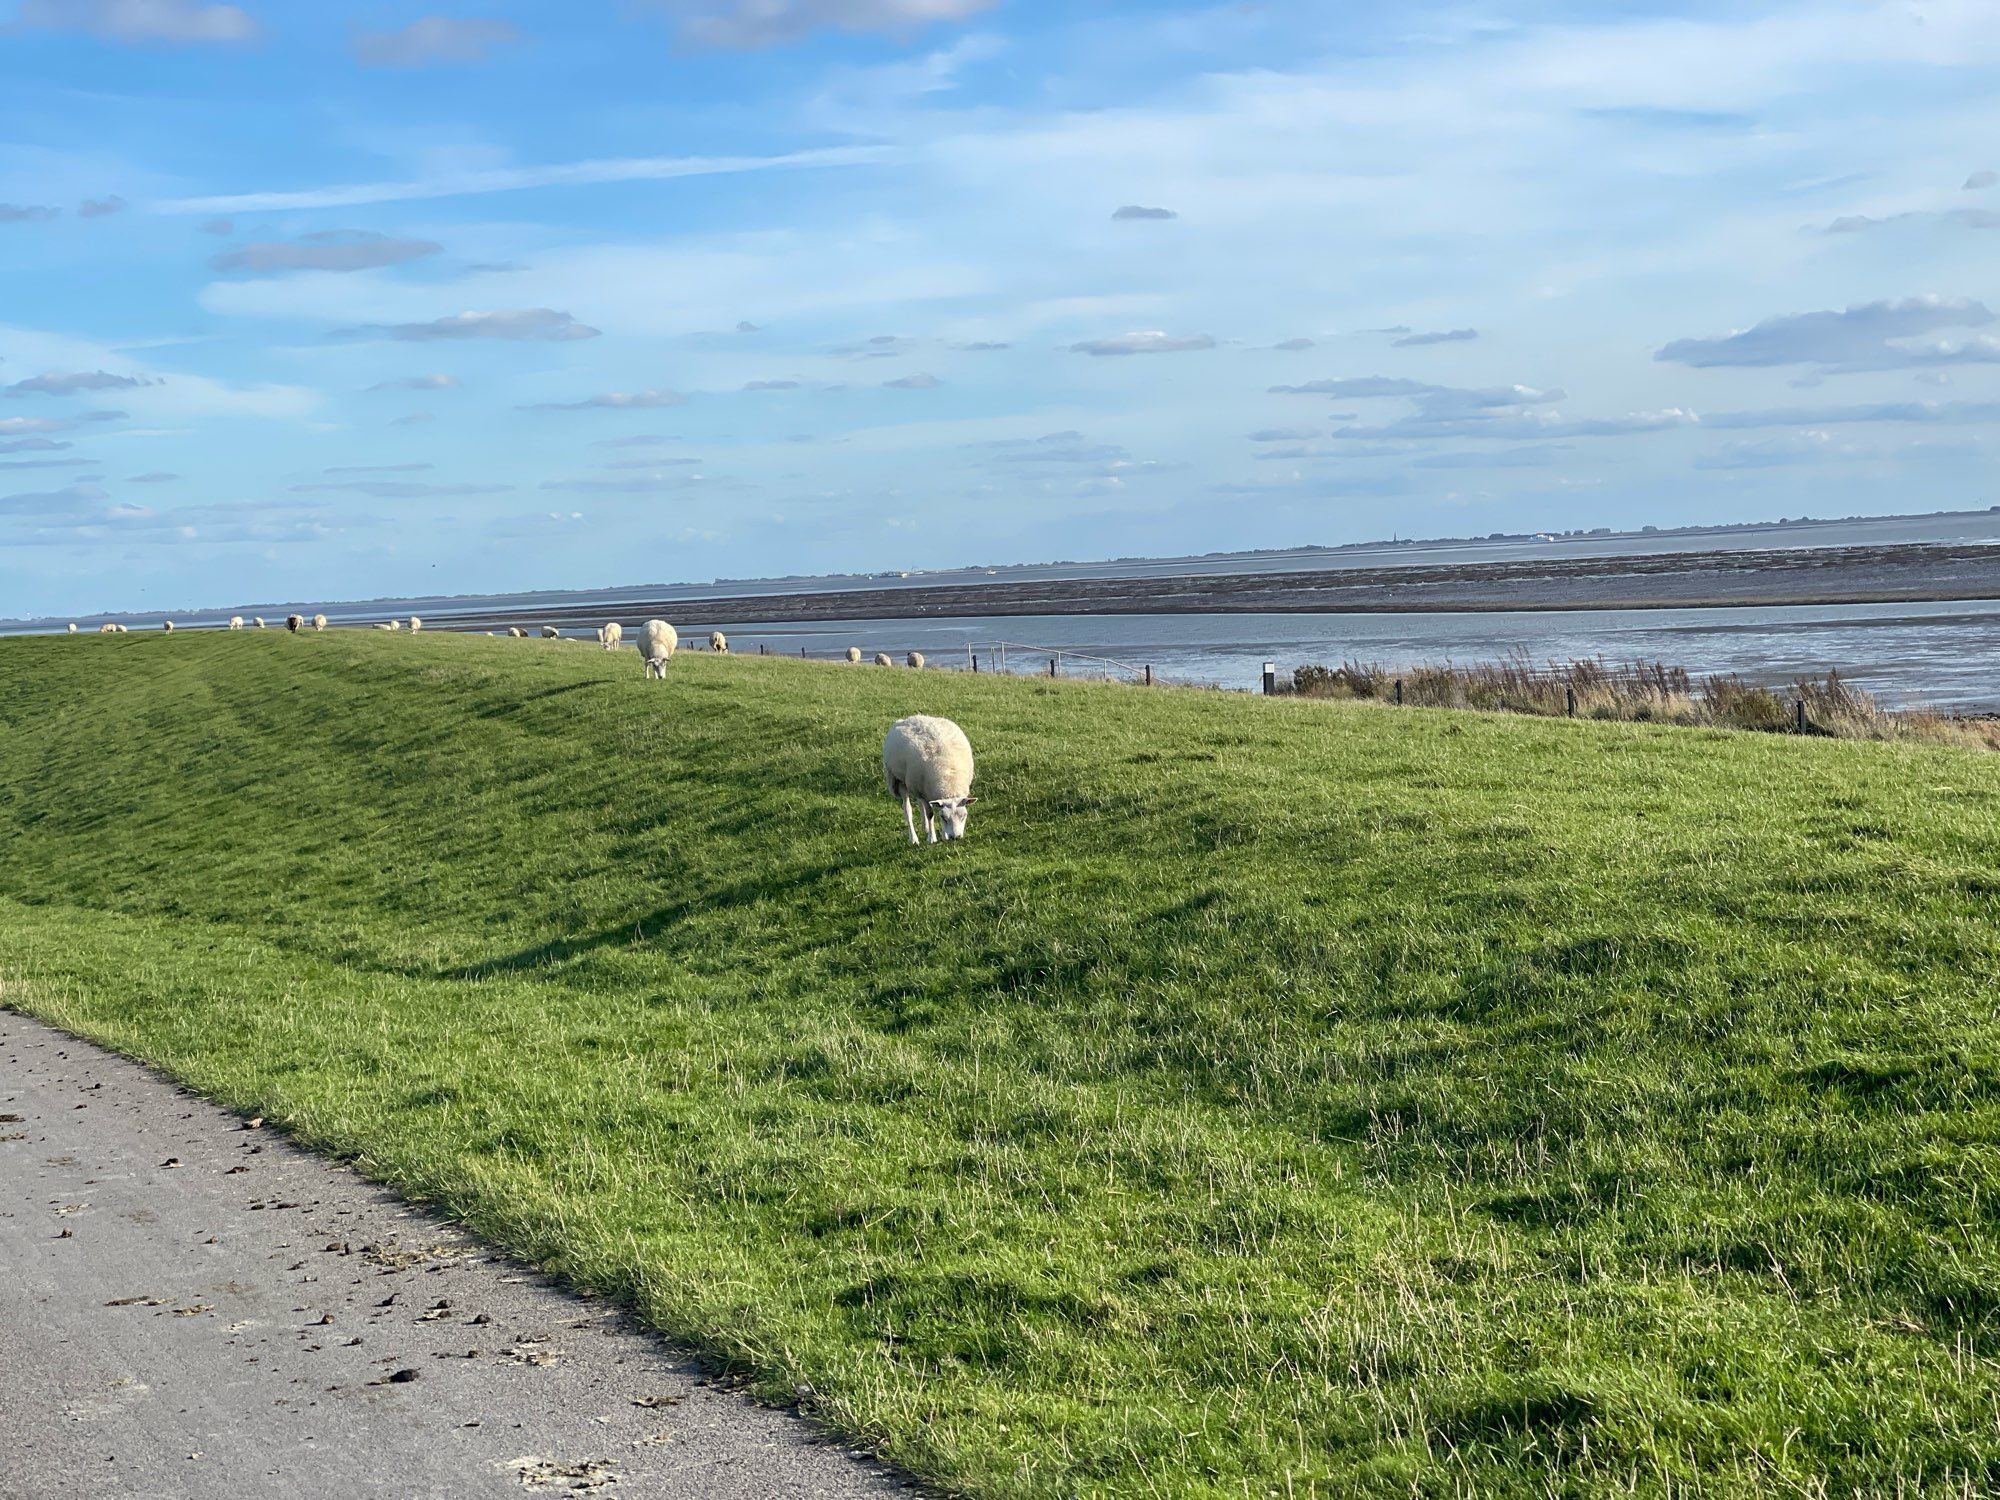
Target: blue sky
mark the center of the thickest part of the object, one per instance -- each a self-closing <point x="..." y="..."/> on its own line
<point x="340" y="301"/>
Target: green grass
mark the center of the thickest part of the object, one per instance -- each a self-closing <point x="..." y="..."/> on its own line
<point x="1270" y="1097"/>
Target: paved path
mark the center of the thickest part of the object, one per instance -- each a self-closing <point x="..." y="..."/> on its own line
<point x="189" y="1307"/>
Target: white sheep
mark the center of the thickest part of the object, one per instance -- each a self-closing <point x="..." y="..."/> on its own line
<point x="930" y="759"/>
<point x="656" y="666"/>
<point x="167" y="626"/>
<point x="854" y="653"/>
<point x="882" y="659"/>
<point x="107" y="629"/>
<point x="517" y="632"/>
<point x="295" y="623"/>
<point x="550" y="633"/>
<point x="385" y="624"/>
<point x="717" y="641"/>
<point x="915" y="659"/>
<point x="658" y="638"/>
<point x="613" y="636"/>
<point x="319" y="622"/>
<point x="415" y="624"/>
<point x="260" y="622"/>
<point x="72" y="627"/>
<point x="236" y="622"/>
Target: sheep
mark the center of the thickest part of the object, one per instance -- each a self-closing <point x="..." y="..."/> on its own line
<point x="717" y="641"/>
<point x="550" y="633"/>
<point x="236" y="622"/>
<point x="167" y="626"/>
<point x="72" y="627"/>
<point x="915" y="659"/>
<point x="656" y="666"/>
<point x="415" y="624"/>
<point x="930" y="759"/>
<point x="319" y="622"/>
<point x="658" y="638"/>
<point x="107" y="629"/>
<point x="613" y="636"/>
<point x="260" y="622"/>
<point x="854" y="654"/>
<point x="295" y="623"/>
<point x="517" y="632"/>
<point x="882" y="659"/>
<point x="385" y="624"/>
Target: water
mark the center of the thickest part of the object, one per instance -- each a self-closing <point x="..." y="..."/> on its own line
<point x="1944" y="656"/>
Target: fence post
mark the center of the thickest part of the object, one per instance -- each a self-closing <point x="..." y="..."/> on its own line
<point x="762" y="649"/>
<point x="1149" y="674"/>
<point x="1270" y="678"/>
<point x="975" y="663"/>
<point x="1399" y="692"/>
<point x="1569" y="700"/>
<point x="802" y="653"/>
<point x="1052" y="666"/>
<point x="1799" y="715"/>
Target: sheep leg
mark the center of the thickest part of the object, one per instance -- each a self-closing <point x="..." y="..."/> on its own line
<point x="910" y="818"/>
<point x="930" y="821"/>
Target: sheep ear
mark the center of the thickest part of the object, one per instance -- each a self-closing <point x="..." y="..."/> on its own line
<point x="969" y="800"/>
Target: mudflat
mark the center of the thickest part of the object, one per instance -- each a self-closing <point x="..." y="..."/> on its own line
<point x="195" y="1307"/>
<point x="1901" y="573"/>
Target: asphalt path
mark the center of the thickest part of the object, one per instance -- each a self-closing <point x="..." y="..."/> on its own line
<point x="190" y="1306"/>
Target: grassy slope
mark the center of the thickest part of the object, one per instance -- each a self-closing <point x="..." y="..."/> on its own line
<point x="1269" y="1093"/>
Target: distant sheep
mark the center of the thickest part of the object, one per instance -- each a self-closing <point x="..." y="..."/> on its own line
<point x="550" y="633"/>
<point x="930" y="760"/>
<point x="260" y="623"/>
<point x="717" y="641"/>
<point x="167" y="625"/>
<point x="72" y="627"/>
<point x="319" y="622"/>
<point x="517" y="632"/>
<point x="236" y="622"/>
<point x="386" y="625"/>
<point x="882" y="659"/>
<point x="415" y="624"/>
<point x="915" y="659"/>
<point x="658" y="639"/>
<point x="295" y="623"/>
<point x="613" y="636"/>
<point x="854" y="653"/>
<point x="107" y="629"/>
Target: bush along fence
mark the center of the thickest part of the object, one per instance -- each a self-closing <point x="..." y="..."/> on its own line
<point x="1640" y="692"/>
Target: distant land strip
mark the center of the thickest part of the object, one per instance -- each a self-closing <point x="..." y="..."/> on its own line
<point x="1903" y="573"/>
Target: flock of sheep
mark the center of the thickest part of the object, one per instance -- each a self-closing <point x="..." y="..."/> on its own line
<point x="927" y="761"/>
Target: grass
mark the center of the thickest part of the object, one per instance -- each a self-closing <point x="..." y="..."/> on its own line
<point x="1643" y="692"/>
<point x="1271" y="1097"/>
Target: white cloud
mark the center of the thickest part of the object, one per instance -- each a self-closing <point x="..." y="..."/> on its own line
<point x="1152" y="341"/>
<point x="765" y="23"/>
<point x="326" y="250"/>
<point x="534" y="323"/>
<point x="1870" y="336"/>
<point x="175" y="21"/>
<point x="434" y="39"/>
<point x="614" y="401"/>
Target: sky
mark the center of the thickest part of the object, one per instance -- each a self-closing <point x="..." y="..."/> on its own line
<point x="315" y="302"/>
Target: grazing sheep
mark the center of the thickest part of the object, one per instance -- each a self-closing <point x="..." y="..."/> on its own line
<point x="260" y="622"/>
<point x="658" y="638"/>
<point x="236" y="622"/>
<point x="167" y="625"/>
<point x="415" y="624"/>
<point x="882" y="659"/>
<point x="295" y="623"/>
<point x="72" y="627"/>
<point x="319" y="622"/>
<point x="930" y="759"/>
<point x="915" y="659"/>
<point x="550" y="633"/>
<point x="613" y="636"/>
<point x="517" y="632"/>
<point x="107" y="629"/>
<point x="854" y="653"/>
<point x="656" y="666"/>
<point x="717" y="641"/>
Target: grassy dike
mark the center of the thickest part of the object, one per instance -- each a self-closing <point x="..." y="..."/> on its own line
<point x="1270" y="1097"/>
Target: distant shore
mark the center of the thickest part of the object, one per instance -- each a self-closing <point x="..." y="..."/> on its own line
<point x="1902" y="573"/>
